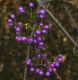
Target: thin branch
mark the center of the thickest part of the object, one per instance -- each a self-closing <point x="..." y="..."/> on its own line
<point x="45" y="1"/>
<point x="71" y="17"/>
<point x="28" y="50"/>
<point x="75" y="50"/>
<point x="60" y="26"/>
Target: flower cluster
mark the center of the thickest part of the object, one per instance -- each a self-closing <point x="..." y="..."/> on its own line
<point x="51" y="66"/>
<point x="36" y="39"/>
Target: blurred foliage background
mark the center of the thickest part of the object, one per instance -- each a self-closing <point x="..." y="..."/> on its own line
<point x="13" y="54"/>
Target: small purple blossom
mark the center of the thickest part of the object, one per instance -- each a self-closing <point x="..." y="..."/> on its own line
<point x="38" y="32"/>
<point x="38" y="55"/>
<point x="20" y="23"/>
<point x="60" y="60"/>
<point x="9" y="20"/>
<point x="40" y="43"/>
<point x="41" y="24"/>
<point x="31" y="4"/>
<point x="24" y="39"/>
<point x="57" y="64"/>
<point x="12" y="16"/>
<point x="29" y="40"/>
<point x="60" y="55"/>
<point x="46" y="27"/>
<point x="48" y="73"/>
<point x="28" y="62"/>
<point x="39" y="38"/>
<point x="52" y="65"/>
<point x="21" y="9"/>
<point x="32" y="69"/>
<point x="10" y="24"/>
<point x="37" y="70"/>
<point x="50" y="70"/>
<point x="41" y="16"/>
<point x="41" y="73"/>
<point x="17" y="29"/>
<point x="41" y="11"/>
<point x="44" y="31"/>
<point x="34" y="41"/>
<point x="18" y="38"/>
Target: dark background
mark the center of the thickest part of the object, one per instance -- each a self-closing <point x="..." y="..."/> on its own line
<point x="12" y="53"/>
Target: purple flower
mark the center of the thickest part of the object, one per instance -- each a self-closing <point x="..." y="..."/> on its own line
<point x="41" y="16"/>
<point x="54" y="69"/>
<point x="24" y="39"/>
<point x="29" y="40"/>
<point x="52" y="65"/>
<point x="46" y="27"/>
<point x="32" y="69"/>
<point x="35" y="36"/>
<point x="38" y="32"/>
<point x="38" y="55"/>
<point x="44" y="65"/>
<point x="21" y="9"/>
<point x="34" y="41"/>
<point x="17" y="29"/>
<point x="41" y="24"/>
<point x="44" y="31"/>
<point x="40" y="43"/>
<point x="20" y="24"/>
<point x="57" y="64"/>
<point x="41" y="73"/>
<point x="59" y="60"/>
<point x="31" y="4"/>
<point x="41" y="11"/>
<point x="12" y="16"/>
<point x="50" y="70"/>
<point x="37" y="70"/>
<point x="18" y="38"/>
<point x="60" y="55"/>
<point x="39" y="47"/>
<point x="9" y="20"/>
<point x="39" y="38"/>
<point x="28" y="62"/>
<point x="10" y="24"/>
<point x="48" y="73"/>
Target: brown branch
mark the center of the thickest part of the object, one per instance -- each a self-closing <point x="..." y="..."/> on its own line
<point x="60" y="25"/>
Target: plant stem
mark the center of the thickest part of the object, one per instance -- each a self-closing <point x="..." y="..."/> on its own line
<point x="28" y="50"/>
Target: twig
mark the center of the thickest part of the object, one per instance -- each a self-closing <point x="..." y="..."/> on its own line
<point x="58" y="76"/>
<point x="71" y="17"/>
<point x="25" y="73"/>
<point x="75" y="51"/>
<point x="60" y="26"/>
<point x="45" y="1"/>
<point x="25" y="70"/>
